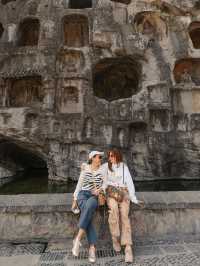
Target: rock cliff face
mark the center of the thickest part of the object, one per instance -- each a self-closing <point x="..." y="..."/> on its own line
<point x="78" y="75"/>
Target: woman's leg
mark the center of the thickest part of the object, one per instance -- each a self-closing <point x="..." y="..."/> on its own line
<point x="90" y="208"/>
<point x="126" y="234"/>
<point x="87" y="204"/>
<point x="85" y="223"/>
<point x="113" y="220"/>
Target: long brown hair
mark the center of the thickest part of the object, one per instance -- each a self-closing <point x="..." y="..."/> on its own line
<point x="117" y="154"/>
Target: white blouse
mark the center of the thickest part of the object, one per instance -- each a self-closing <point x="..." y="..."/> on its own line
<point x="119" y="177"/>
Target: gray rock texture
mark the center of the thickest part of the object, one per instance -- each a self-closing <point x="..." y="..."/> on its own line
<point x="81" y="75"/>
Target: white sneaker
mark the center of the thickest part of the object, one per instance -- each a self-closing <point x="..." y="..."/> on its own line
<point x="76" y="246"/>
<point x="92" y="256"/>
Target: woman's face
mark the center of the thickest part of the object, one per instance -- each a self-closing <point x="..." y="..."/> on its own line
<point x="97" y="159"/>
<point x="112" y="158"/>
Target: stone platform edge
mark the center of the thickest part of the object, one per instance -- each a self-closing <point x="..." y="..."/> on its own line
<point x="62" y="202"/>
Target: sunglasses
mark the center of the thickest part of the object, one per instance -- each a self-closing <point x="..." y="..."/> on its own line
<point x="111" y="155"/>
<point x="100" y="157"/>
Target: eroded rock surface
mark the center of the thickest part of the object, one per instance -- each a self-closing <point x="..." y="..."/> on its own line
<point x="81" y="75"/>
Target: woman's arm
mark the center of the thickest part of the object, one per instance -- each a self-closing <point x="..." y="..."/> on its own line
<point x="104" y="172"/>
<point x="129" y="182"/>
<point x="80" y="182"/>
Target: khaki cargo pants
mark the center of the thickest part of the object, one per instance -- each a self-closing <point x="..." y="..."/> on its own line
<point x="118" y="219"/>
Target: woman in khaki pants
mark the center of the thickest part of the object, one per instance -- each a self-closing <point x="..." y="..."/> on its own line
<point x="118" y="176"/>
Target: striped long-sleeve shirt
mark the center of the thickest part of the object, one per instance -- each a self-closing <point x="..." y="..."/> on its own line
<point x="88" y="179"/>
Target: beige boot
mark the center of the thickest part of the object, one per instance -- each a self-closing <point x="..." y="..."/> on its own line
<point x="76" y="246"/>
<point x="92" y="256"/>
<point x="116" y="244"/>
<point x="128" y="254"/>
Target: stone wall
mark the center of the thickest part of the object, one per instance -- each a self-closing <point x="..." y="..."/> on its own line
<point x="166" y="215"/>
<point x="77" y="76"/>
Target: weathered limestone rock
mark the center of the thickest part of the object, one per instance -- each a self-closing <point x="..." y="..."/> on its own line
<point x="80" y="75"/>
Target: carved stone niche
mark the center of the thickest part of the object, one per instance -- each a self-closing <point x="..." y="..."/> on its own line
<point x="79" y="4"/>
<point x="70" y="98"/>
<point x="159" y="94"/>
<point x="32" y="8"/>
<point x="160" y="120"/>
<point x="75" y="30"/>
<point x="1" y="30"/>
<point x="181" y="122"/>
<point x="186" y="100"/>
<point x="121" y="136"/>
<point x="194" y="32"/>
<point x="150" y="23"/>
<point x="116" y="78"/>
<point x="31" y="120"/>
<point x="187" y="70"/>
<point x="137" y="133"/>
<point x="70" y="61"/>
<point x="28" y="34"/>
<point x="23" y="92"/>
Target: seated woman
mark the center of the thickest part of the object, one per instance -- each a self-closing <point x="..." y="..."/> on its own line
<point x="86" y="197"/>
<point x="118" y="177"/>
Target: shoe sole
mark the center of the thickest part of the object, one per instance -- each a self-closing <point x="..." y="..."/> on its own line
<point x="75" y="254"/>
<point x="92" y="261"/>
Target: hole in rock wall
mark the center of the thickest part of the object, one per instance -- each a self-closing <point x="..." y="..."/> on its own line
<point x="187" y="70"/>
<point x="79" y="4"/>
<point x="29" y="168"/>
<point x="76" y="31"/>
<point x="19" y="156"/>
<point x="150" y="23"/>
<point x="116" y="78"/>
<point x="194" y="31"/>
<point x="197" y="5"/>
<point x="4" y="2"/>
<point x="24" y="91"/>
<point x="29" y="31"/>
<point x="122" y="1"/>
<point x="1" y="30"/>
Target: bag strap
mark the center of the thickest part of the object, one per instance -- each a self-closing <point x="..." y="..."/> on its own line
<point x="123" y="173"/>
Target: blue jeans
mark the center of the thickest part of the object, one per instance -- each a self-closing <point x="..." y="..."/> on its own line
<point x="87" y="204"/>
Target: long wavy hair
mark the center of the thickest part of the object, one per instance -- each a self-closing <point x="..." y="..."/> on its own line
<point x="117" y="154"/>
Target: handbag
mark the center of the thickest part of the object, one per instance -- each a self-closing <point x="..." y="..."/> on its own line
<point x="101" y="198"/>
<point x="116" y="193"/>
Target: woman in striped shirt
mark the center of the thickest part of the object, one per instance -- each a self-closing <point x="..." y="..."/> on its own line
<point x="85" y="196"/>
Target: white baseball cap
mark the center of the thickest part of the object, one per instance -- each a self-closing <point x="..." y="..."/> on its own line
<point x="93" y="153"/>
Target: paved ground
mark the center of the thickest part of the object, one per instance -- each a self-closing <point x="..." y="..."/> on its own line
<point x="160" y="253"/>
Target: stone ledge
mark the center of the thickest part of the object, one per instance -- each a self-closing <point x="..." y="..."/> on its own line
<point x="62" y="202"/>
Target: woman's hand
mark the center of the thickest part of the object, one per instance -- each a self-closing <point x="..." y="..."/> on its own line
<point x="75" y="208"/>
<point x="74" y="204"/>
<point x="141" y="203"/>
<point x="95" y="192"/>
